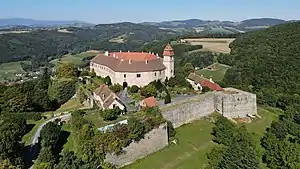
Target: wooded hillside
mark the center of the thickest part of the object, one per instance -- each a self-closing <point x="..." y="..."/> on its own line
<point x="40" y="45"/>
<point x="267" y="62"/>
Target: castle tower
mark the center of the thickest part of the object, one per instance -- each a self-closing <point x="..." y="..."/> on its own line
<point x="169" y="61"/>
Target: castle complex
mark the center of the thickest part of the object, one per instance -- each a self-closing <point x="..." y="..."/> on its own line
<point x="134" y="68"/>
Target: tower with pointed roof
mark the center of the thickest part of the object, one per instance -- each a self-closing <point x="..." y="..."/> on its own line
<point x="168" y="61"/>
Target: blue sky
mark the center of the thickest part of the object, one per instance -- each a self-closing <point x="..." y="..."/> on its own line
<point x="107" y="11"/>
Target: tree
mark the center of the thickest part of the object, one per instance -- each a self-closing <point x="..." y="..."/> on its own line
<point x="134" y="89"/>
<point x="61" y="90"/>
<point x="214" y="156"/>
<point x="116" y="88"/>
<point x="136" y="128"/>
<point x="149" y="91"/>
<point x="224" y="131"/>
<point x="111" y="114"/>
<point x="92" y="73"/>
<point x="188" y="68"/>
<point x="171" y="130"/>
<point x="167" y="99"/>
<point x="66" y="70"/>
<point x="50" y="134"/>
<point x="107" y="80"/>
<point x="70" y="160"/>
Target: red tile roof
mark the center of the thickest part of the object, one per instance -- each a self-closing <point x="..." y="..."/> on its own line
<point x="133" y="56"/>
<point x="168" y="51"/>
<point x="150" y="102"/>
<point x="211" y="85"/>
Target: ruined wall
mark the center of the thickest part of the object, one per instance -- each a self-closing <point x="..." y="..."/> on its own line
<point x="153" y="141"/>
<point x="235" y="103"/>
<point x="189" y="110"/>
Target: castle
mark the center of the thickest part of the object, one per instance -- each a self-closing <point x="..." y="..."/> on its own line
<point x="134" y="68"/>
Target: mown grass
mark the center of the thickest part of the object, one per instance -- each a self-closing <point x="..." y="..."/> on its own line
<point x="8" y="70"/>
<point x="217" y="73"/>
<point x="76" y="59"/>
<point x="195" y="141"/>
<point x="72" y="104"/>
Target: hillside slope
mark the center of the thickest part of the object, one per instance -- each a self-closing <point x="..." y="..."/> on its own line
<point x="267" y="62"/>
<point x="41" y="45"/>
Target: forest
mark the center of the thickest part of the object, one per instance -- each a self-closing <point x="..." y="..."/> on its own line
<point x="44" y="45"/>
<point x="267" y="62"/>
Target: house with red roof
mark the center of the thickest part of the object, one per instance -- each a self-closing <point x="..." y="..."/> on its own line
<point x="198" y="82"/>
<point x="149" y="102"/>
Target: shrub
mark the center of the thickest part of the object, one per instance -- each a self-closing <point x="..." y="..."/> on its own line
<point x="136" y="128"/>
<point x="61" y="90"/>
<point x="171" y="130"/>
<point x="167" y="98"/>
<point x="107" y="80"/>
<point x="111" y="114"/>
<point x="37" y="116"/>
<point x="149" y="91"/>
<point x="205" y="89"/>
<point x="134" y="89"/>
<point x="116" y="88"/>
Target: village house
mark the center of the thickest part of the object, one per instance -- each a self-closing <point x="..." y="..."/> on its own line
<point x="107" y="98"/>
<point x="198" y="82"/>
<point x="149" y="102"/>
<point x="134" y="68"/>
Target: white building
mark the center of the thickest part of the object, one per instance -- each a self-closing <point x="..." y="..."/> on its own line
<point x="107" y="98"/>
<point x="134" y="68"/>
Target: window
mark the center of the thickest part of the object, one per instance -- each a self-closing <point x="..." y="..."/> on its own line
<point x="114" y="105"/>
<point x="155" y="74"/>
<point x="138" y="75"/>
<point x="124" y="75"/>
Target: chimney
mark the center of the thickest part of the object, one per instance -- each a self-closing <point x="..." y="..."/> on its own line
<point x="128" y="51"/>
<point x="122" y="60"/>
<point x="129" y="61"/>
<point x="106" y="53"/>
<point x="120" y="51"/>
<point x="210" y="79"/>
<point x="157" y="54"/>
<point x="142" y="51"/>
<point x="146" y="61"/>
<point x="114" y="55"/>
<point x="149" y="52"/>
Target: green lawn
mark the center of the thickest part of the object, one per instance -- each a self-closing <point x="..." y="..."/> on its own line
<point x="194" y="142"/>
<point x="216" y="73"/>
<point x="28" y="137"/>
<point x="77" y="59"/>
<point x="8" y="70"/>
<point x="72" y="104"/>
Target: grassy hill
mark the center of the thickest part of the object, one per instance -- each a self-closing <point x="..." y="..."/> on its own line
<point x="215" y="71"/>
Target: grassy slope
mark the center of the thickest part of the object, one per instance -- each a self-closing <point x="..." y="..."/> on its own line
<point x="28" y="137"/>
<point x="8" y="70"/>
<point x="217" y="74"/>
<point x="76" y="59"/>
<point x="194" y="142"/>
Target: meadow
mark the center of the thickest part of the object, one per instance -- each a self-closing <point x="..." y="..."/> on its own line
<point x="9" y="70"/>
<point x="215" y="71"/>
<point x="77" y="59"/>
<point x="195" y="141"/>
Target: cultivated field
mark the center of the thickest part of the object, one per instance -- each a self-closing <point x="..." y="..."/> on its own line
<point x="195" y="141"/>
<point x="9" y="70"/>
<point x="215" y="71"/>
<point x="216" y="45"/>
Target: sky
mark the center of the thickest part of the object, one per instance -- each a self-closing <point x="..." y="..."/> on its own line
<point x="110" y="11"/>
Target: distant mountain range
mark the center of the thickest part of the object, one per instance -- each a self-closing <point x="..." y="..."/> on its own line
<point x="197" y="24"/>
<point x="31" y="23"/>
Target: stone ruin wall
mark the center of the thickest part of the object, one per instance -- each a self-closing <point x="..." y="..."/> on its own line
<point x="153" y="141"/>
<point x="236" y="105"/>
<point x="190" y="110"/>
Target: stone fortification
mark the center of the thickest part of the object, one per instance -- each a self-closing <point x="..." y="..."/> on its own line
<point x="234" y="103"/>
<point x="153" y="141"/>
<point x="231" y="103"/>
<point x="188" y="110"/>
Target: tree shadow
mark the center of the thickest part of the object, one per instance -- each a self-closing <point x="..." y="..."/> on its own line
<point x="63" y="138"/>
<point x="31" y="153"/>
<point x="29" y="127"/>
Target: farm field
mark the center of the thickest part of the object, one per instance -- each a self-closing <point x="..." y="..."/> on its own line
<point x="8" y="70"/>
<point x="195" y="141"/>
<point x="215" y="71"/>
<point x="76" y="59"/>
<point x="216" y="45"/>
